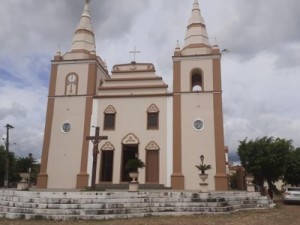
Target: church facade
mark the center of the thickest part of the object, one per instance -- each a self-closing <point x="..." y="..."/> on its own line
<point x="133" y="107"/>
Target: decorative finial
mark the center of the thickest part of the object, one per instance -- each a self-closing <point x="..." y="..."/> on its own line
<point x="177" y="46"/>
<point x="58" y="51"/>
<point x="105" y="64"/>
<point x="215" y="44"/>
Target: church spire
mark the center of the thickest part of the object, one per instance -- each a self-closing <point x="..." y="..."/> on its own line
<point x="196" y="34"/>
<point x="83" y="39"/>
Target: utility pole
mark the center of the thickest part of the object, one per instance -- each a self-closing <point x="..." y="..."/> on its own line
<point x="6" y="182"/>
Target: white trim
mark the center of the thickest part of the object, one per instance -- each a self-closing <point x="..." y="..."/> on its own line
<point x="196" y="57"/>
<point x="169" y="139"/>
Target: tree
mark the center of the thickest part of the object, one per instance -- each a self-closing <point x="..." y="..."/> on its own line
<point x="233" y="182"/>
<point x="2" y="165"/>
<point x="23" y="164"/>
<point x="12" y="172"/>
<point x="292" y="173"/>
<point x="265" y="158"/>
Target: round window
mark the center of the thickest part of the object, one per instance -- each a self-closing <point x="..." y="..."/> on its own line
<point x="198" y="124"/>
<point x="66" y="127"/>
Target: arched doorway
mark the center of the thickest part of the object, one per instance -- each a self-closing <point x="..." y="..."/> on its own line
<point x="130" y="150"/>
<point x="107" y="162"/>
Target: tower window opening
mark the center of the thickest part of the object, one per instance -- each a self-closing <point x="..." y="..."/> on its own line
<point x="196" y="81"/>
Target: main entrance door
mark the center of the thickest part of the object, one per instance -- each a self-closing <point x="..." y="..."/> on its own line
<point x="129" y="152"/>
<point x="106" y="172"/>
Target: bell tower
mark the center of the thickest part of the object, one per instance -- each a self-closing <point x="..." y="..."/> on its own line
<point x="197" y="108"/>
<point x="74" y="79"/>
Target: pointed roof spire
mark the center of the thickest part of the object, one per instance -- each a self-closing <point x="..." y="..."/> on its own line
<point x="196" y="31"/>
<point x="83" y="38"/>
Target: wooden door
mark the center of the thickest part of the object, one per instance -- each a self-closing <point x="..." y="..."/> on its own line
<point x="152" y="167"/>
<point x="106" y="172"/>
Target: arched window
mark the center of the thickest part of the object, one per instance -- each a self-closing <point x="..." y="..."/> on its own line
<point x="196" y="80"/>
<point x="109" y="118"/>
<point x="153" y="117"/>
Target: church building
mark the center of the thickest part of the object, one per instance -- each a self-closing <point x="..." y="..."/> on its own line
<point x="132" y="106"/>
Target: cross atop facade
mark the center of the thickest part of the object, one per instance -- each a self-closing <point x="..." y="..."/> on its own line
<point x="134" y="52"/>
<point x="95" y="140"/>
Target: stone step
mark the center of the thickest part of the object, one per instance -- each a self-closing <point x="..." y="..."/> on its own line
<point x="45" y="194"/>
<point x="99" y="217"/>
<point x="81" y="201"/>
<point x="105" y="205"/>
<point x="121" y="195"/>
<point x="108" y="200"/>
<point x="110" y="205"/>
<point x="122" y="210"/>
<point x="63" y="203"/>
<point x="125" y="186"/>
<point x="18" y="213"/>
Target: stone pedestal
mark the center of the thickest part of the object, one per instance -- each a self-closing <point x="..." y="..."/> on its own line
<point x="249" y="184"/>
<point x="203" y="184"/>
<point x="133" y="186"/>
<point x="23" y="185"/>
<point x="203" y="187"/>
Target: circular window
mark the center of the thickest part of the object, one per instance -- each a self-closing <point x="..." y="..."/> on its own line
<point x="66" y="127"/>
<point x="198" y="124"/>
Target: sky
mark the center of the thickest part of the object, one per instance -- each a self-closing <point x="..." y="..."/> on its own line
<point x="260" y="70"/>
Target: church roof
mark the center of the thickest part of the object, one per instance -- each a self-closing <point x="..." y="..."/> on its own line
<point x="133" y="79"/>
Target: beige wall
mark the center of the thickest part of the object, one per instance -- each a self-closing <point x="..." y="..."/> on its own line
<point x="134" y="75"/>
<point x="65" y="149"/>
<point x="194" y="142"/>
<point x="197" y="106"/>
<point x="131" y="117"/>
<point x="132" y="83"/>
<point x="64" y="70"/>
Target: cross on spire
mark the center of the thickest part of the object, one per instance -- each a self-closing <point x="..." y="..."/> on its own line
<point x="134" y="52"/>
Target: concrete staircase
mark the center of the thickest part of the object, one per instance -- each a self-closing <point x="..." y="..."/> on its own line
<point x="121" y="205"/>
<point x="125" y="186"/>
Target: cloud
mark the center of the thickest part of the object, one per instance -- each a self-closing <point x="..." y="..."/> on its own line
<point x="16" y="110"/>
<point x="256" y="27"/>
<point x="259" y="100"/>
<point x="27" y="114"/>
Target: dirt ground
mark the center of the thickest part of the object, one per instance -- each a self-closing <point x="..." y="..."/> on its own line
<point x="280" y="215"/>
